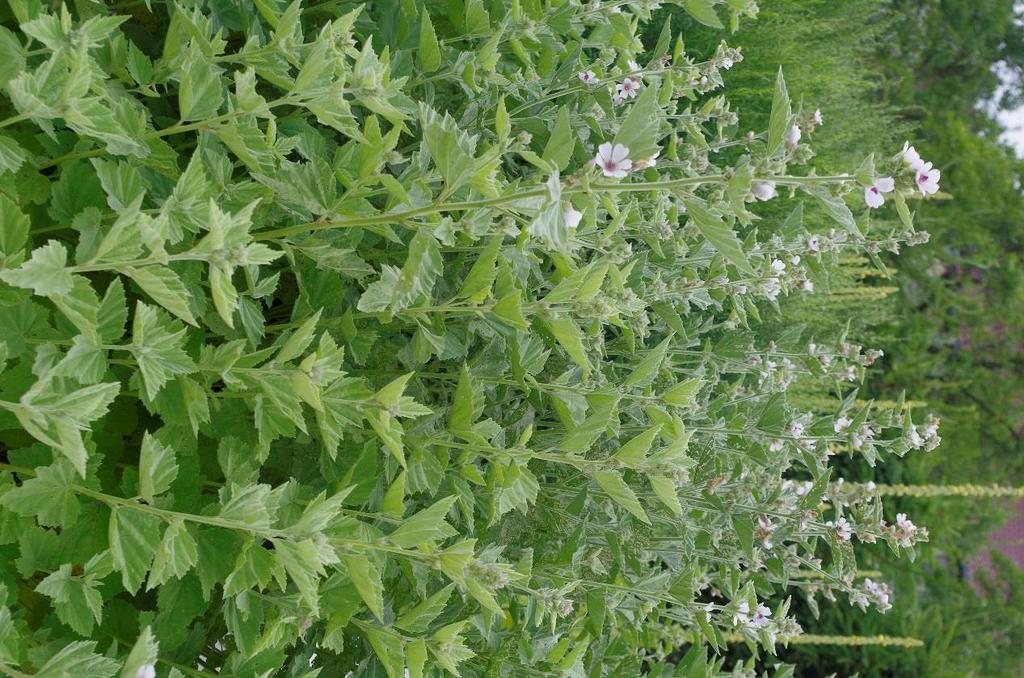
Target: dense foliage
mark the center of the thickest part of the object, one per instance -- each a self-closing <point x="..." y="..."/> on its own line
<point x="422" y="337"/>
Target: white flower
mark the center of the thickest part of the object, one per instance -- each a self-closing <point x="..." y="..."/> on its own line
<point x="760" y="618"/>
<point x="873" y="193"/>
<point x="628" y="88"/>
<point x="741" y="616"/>
<point x="814" y="243"/>
<point x="906" y="531"/>
<point x="633" y="66"/>
<point x="795" y="259"/>
<point x="777" y="445"/>
<point x="708" y="609"/>
<point x="617" y="100"/>
<point x="796" y="429"/>
<point x="870" y="486"/>
<point x="778" y="266"/>
<point x="911" y="158"/>
<point x="816" y="117"/>
<point x="841" y="424"/>
<point x="146" y="671"/>
<point x="772" y="287"/>
<point x="927" y="179"/>
<point x="613" y="160"/>
<point x="572" y="216"/>
<point x="726" y="63"/>
<point x="914" y="438"/>
<point x="843" y="528"/>
<point x="763" y="190"/>
<point x="587" y="77"/>
<point x="807" y="286"/>
<point x="793" y="136"/>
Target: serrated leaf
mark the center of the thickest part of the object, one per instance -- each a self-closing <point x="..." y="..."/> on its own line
<point x="177" y="554"/>
<point x="366" y="577"/>
<point x="647" y="369"/>
<point x="44" y="273"/>
<point x="425" y="526"/>
<point x="141" y="661"/>
<point x="665" y="490"/>
<point x="158" y="345"/>
<point x="477" y="284"/>
<point x="704" y="12"/>
<point x="417" y="619"/>
<point x="570" y="337"/>
<point x="134" y="539"/>
<point x="562" y="141"/>
<point x="639" y="131"/>
<point x="718" y="233"/>
<point x="778" y="122"/>
<point x="165" y="288"/>
<point x="682" y="393"/>
<point x="429" y="53"/>
<point x="612" y="483"/>
<point x="633" y="453"/>
<point x="157" y="468"/>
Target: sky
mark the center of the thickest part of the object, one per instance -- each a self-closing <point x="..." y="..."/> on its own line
<point x="1014" y="134"/>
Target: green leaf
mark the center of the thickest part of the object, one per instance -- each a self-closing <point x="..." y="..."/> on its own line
<point x="418" y="619"/>
<point x="76" y="600"/>
<point x="510" y="309"/>
<point x="301" y="560"/>
<point x="134" y="539"/>
<point x="562" y="141"/>
<point x="612" y="483"/>
<point x="835" y="207"/>
<point x="639" y="131"/>
<point x="704" y="12"/>
<point x="718" y="233"/>
<point x="584" y="435"/>
<point x="165" y="288"/>
<point x="665" y="490"/>
<point x="502" y="123"/>
<point x="158" y="345"/>
<point x="633" y="453"/>
<point x="366" y="577"/>
<point x="425" y="526"/>
<point x="782" y="112"/>
<point x="49" y="496"/>
<point x="461" y="417"/>
<point x="570" y="337"/>
<point x="14" y="232"/>
<point x="44" y="273"/>
<point x="200" y="92"/>
<point x="299" y="340"/>
<point x="177" y="554"/>
<point x="142" y="658"/>
<point x="429" y="53"/>
<point x="157" y="468"/>
<point x="477" y="284"/>
<point x="647" y="369"/>
<point x="682" y="393"/>
<point x="389" y="649"/>
<point x="79" y="660"/>
<point x="451" y="147"/>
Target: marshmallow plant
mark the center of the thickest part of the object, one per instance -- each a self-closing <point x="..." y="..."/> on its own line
<point x="416" y="338"/>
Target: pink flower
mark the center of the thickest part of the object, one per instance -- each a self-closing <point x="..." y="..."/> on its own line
<point x="873" y="193"/>
<point x="628" y="88"/>
<point x="587" y="77"/>
<point x="927" y="179"/>
<point x="613" y="160"/>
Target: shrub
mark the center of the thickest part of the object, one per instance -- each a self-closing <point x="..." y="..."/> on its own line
<point x="416" y="338"/>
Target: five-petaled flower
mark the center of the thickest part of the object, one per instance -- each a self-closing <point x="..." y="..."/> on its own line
<point x="758" y="620"/>
<point x="927" y="179"/>
<point x="587" y="77"/>
<point x="873" y="193"/>
<point x="842" y="527"/>
<point x="627" y="89"/>
<point x="613" y="160"/>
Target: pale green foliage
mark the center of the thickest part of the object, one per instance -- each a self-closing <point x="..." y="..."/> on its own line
<point x="327" y="350"/>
